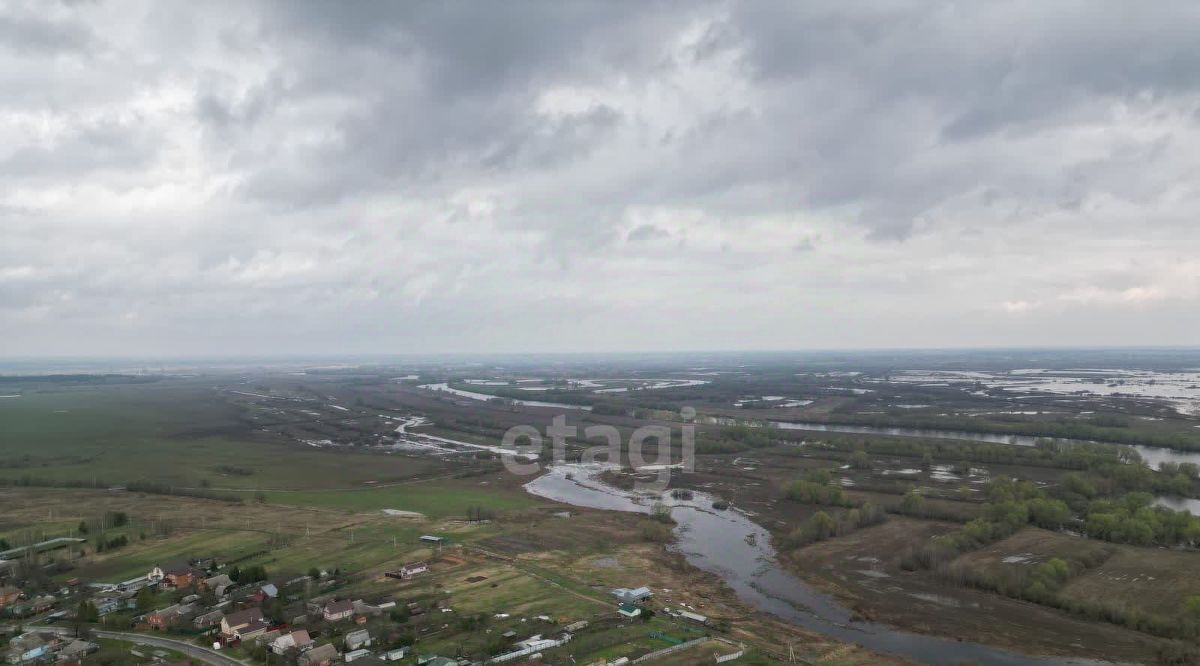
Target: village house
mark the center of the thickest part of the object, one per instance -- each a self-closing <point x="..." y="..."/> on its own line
<point x="252" y="630"/>
<point x="167" y="617"/>
<point x="31" y="646"/>
<point x="634" y="596"/>
<point x="218" y="584"/>
<point x="267" y="591"/>
<point x="32" y="606"/>
<point x="318" y="656"/>
<point x="8" y="596"/>
<point x="179" y="575"/>
<point x="364" y="609"/>
<point x="338" y="610"/>
<point x="209" y="619"/>
<point x="235" y="622"/>
<point x="76" y="650"/>
<point x="295" y="613"/>
<point x="298" y="640"/>
<point x="358" y="639"/>
<point x="397" y="654"/>
<point x="106" y="605"/>
<point x="42" y="604"/>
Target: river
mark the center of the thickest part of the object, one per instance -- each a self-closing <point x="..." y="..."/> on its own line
<point x="445" y="387"/>
<point x="1152" y="455"/>
<point x="731" y="545"/>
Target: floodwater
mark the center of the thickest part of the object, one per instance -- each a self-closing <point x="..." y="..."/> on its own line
<point x="485" y="397"/>
<point x="1189" y="505"/>
<point x="1180" y="390"/>
<point x="739" y="550"/>
<point x="1153" y="455"/>
<point x="406" y="439"/>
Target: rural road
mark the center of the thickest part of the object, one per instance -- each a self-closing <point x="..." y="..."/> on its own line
<point x="195" y="651"/>
<point x="202" y="653"/>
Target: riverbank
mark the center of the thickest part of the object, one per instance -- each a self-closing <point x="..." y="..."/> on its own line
<point x="862" y="571"/>
<point x="737" y="548"/>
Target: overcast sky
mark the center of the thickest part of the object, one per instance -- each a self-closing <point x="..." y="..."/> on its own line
<point x="200" y="178"/>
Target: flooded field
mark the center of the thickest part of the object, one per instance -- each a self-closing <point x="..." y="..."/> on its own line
<point x="1179" y="389"/>
<point x="731" y="545"/>
<point x="446" y="388"/>
<point x="1152" y="455"/>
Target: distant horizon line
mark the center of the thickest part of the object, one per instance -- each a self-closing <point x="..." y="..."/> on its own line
<point x="362" y="356"/>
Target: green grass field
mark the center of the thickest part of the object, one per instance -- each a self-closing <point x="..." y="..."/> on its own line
<point x="435" y="499"/>
<point x="177" y="433"/>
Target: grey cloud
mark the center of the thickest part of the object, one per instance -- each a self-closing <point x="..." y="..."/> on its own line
<point x="646" y="232"/>
<point x="321" y="166"/>
<point x="88" y="148"/>
<point x="31" y="35"/>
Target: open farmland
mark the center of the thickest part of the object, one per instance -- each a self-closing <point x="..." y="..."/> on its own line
<point x="342" y="471"/>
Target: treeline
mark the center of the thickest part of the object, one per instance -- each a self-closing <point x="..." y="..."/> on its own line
<point x="26" y="461"/>
<point x="1133" y="519"/>
<point x="1042" y="584"/>
<point x="1012" y="506"/>
<point x="732" y="439"/>
<point x="823" y="526"/>
<point x="1047" y="453"/>
<point x="114" y="543"/>
<point x="609" y="409"/>
<point x="79" y="379"/>
<point x="815" y="488"/>
<point x="915" y="505"/>
<point x="110" y="519"/>
<point x="252" y="574"/>
<point x="27" y="481"/>
<point x="148" y="487"/>
<point x="153" y="488"/>
<point x="1079" y="488"/>
<point x="1053" y="429"/>
<point x="1039" y="583"/>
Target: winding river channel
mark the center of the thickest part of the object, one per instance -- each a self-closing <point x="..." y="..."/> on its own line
<point x="731" y="545"/>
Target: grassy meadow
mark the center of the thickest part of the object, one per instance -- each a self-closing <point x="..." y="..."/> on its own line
<point x="174" y="432"/>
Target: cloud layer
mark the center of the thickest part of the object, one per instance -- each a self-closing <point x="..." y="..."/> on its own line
<point x="381" y="177"/>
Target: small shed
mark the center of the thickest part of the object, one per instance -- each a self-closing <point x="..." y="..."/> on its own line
<point x="629" y="610"/>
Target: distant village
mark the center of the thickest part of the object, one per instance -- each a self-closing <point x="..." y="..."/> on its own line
<point x="223" y="614"/>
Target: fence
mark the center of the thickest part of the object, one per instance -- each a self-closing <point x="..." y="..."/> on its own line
<point x="730" y="657"/>
<point x="671" y="650"/>
<point x="666" y="637"/>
